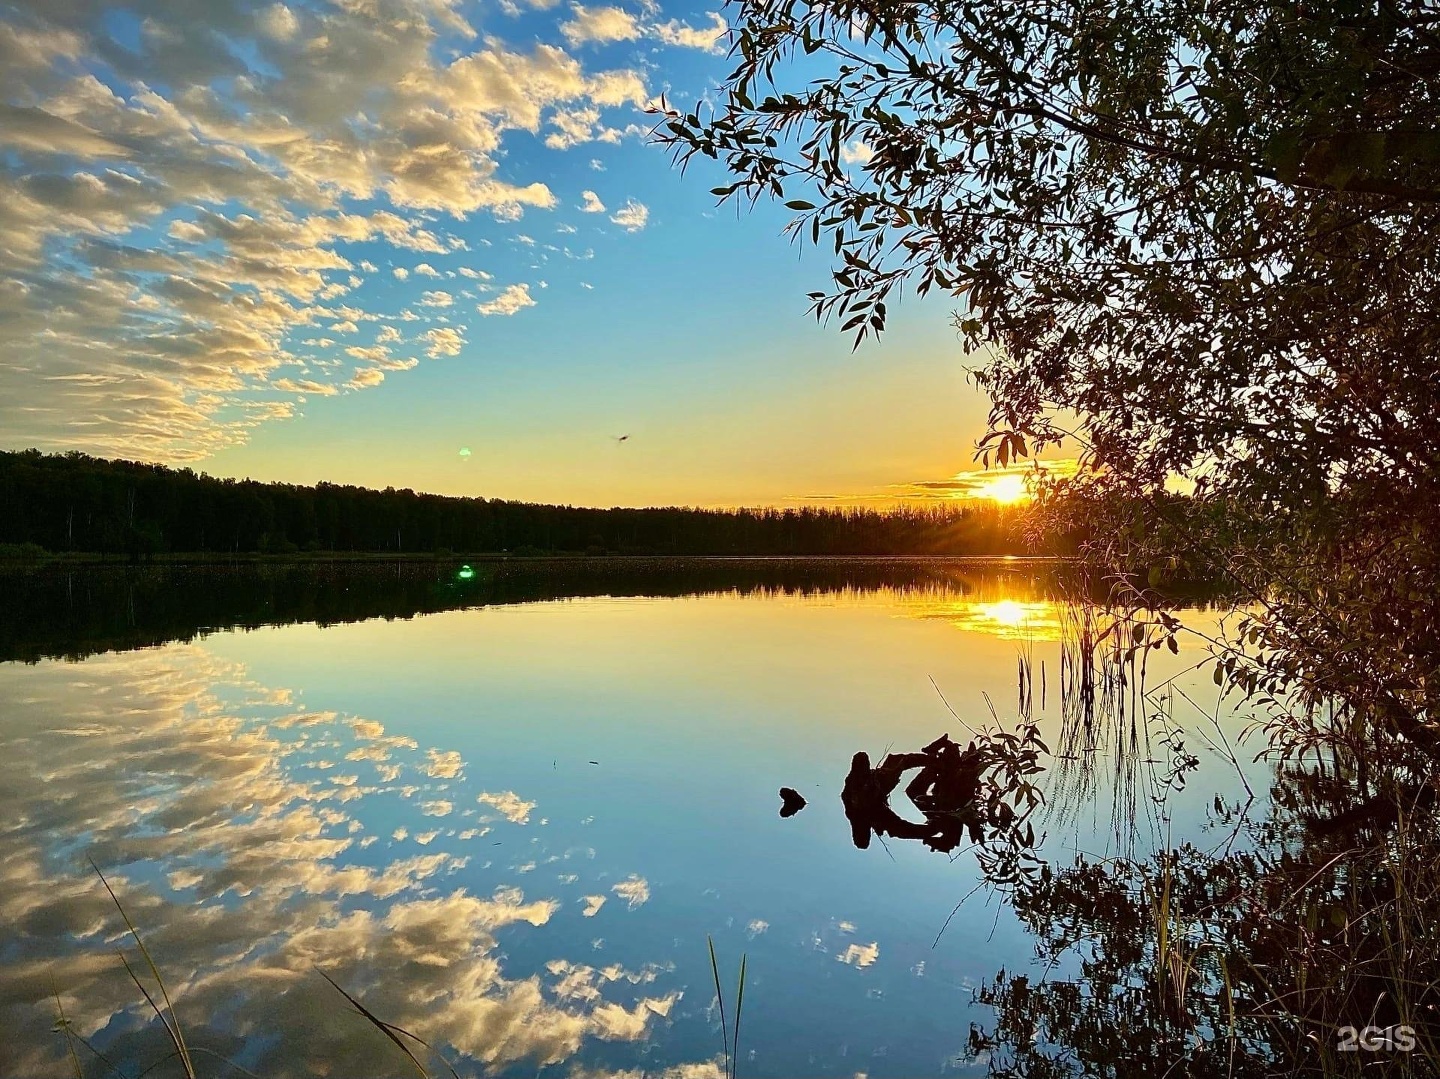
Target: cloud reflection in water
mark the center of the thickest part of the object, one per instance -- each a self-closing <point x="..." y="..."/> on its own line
<point x="249" y="862"/>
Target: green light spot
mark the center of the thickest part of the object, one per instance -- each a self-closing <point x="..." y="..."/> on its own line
<point x="465" y="573"/>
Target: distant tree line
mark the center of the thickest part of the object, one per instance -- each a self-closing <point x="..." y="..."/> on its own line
<point x="73" y="502"/>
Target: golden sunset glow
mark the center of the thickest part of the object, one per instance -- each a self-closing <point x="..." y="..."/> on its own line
<point x="1006" y="488"/>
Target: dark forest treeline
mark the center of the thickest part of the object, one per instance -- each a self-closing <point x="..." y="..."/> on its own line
<point x="73" y="502"/>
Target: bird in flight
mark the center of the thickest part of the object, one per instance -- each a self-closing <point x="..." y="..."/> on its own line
<point x="619" y="438"/>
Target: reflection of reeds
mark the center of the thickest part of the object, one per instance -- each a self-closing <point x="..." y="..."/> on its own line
<point x="185" y="1053"/>
<point x="1111" y="714"/>
<point x="1102" y="708"/>
<point x="393" y="1032"/>
<point x="62" y="1026"/>
<point x="172" y="1024"/>
<point x="1174" y="955"/>
<point x="730" y="1041"/>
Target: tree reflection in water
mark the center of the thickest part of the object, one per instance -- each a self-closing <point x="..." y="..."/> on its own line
<point x="1305" y="942"/>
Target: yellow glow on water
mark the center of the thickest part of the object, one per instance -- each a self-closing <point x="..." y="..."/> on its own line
<point x="1009" y="619"/>
<point x="1007" y="612"/>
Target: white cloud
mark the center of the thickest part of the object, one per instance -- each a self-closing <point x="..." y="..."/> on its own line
<point x="600" y="25"/>
<point x="366" y="377"/>
<point x="860" y="955"/>
<point x="856" y="152"/>
<point x="444" y="765"/>
<point x="512" y="299"/>
<point x="590" y="203"/>
<point x="426" y="270"/>
<point x="632" y="217"/>
<point x="510" y="805"/>
<point x="443" y="341"/>
<point x="401" y="272"/>
<point x="635" y="890"/>
<point x="709" y="39"/>
<point x="436" y="298"/>
<point x="278" y="22"/>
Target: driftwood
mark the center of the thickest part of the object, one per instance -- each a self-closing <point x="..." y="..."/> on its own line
<point x="944" y="789"/>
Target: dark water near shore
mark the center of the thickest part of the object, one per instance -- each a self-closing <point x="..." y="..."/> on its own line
<point x="506" y="810"/>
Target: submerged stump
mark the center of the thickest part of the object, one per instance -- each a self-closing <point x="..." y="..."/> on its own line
<point x="945" y="789"/>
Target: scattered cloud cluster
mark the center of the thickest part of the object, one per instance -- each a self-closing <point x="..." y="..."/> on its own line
<point x="187" y="196"/>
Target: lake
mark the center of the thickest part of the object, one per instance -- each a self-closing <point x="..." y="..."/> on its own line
<point x="506" y="809"/>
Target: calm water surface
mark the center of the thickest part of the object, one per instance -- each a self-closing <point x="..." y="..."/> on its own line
<point x="510" y="829"/>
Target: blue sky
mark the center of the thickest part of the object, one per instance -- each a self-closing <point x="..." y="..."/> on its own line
<point x="346" y="239"/>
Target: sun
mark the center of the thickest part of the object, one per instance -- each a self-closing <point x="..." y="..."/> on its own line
<point x="1006" y="488"/>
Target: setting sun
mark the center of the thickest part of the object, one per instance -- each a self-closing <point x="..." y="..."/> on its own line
<point x="1005" y="488"/>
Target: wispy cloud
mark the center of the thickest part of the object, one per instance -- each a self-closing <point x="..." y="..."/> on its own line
<point x="632" y="217"/>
